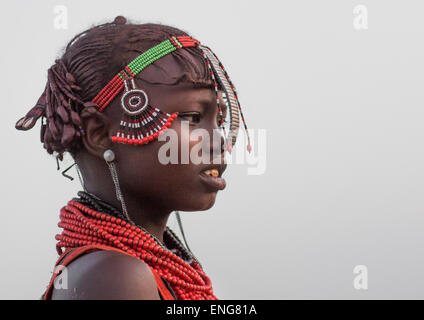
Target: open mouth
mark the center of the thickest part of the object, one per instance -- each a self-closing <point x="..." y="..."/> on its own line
<point x="212" y="173"/>
<point x="211" y="177"/>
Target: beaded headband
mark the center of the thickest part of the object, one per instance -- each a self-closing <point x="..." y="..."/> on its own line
<point x="142" y="123"/>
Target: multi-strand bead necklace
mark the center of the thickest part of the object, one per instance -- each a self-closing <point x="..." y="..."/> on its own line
<point x="83" y="225"/>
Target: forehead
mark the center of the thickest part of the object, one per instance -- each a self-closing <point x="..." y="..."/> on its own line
<point x="187" y="93"/>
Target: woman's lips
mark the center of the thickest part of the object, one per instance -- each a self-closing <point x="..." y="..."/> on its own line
<point x="212" y="179"/>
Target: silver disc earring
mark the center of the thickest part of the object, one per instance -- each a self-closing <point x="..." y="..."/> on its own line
<point x="109" y="157"/>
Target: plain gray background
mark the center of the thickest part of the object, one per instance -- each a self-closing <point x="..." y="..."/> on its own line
<point x="343" y="112"/>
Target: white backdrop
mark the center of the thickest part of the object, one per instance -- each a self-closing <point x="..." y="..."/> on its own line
<point x="342" y="109"/>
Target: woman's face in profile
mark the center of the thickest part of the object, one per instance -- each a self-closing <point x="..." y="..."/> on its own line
<point x="186" y="185"/>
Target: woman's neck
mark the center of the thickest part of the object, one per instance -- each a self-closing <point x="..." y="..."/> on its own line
<point x="152" y="218"/>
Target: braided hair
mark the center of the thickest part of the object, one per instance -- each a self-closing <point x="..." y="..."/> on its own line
<point x="90" y="60"/>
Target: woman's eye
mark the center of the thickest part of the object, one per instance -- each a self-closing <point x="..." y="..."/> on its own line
<point x="193" y="117"/>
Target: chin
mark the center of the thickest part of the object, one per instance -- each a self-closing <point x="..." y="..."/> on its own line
<point x="202" y="203"/>
<point x="209" y="201"/>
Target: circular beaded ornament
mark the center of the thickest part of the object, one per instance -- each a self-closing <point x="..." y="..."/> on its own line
<point x="134" y="101"/>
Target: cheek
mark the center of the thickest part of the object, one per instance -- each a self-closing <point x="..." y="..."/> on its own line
<point x="183" y="130"/>
<point x="177" y="185"/>
<point x="141" y="168"/>
<point x="186" y="140"/>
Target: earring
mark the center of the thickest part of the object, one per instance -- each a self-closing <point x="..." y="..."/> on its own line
<point x="109" y="157"/>
<point x="68" y="176"/>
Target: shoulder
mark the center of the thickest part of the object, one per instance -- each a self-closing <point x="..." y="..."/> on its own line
<point x="107" y="275"/>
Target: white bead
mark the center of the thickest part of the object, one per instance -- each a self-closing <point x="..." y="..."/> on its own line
<point x="109" y="156"/>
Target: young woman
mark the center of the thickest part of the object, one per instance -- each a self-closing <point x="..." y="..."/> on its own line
<point x="117" y="88"/>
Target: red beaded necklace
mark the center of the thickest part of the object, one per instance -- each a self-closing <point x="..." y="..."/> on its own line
<point x="84" y="226"/>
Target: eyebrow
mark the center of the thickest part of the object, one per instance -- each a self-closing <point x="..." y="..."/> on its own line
<point x="203" y="86"/>
<point x="204" y="102"/>
<point x="207" y="103"/>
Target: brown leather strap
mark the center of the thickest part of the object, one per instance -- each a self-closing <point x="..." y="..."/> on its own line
<point x="163" y="289"/>
<point x="71" y="254"/>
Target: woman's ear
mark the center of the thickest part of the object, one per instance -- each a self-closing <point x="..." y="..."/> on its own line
<point x="96" y="138"/>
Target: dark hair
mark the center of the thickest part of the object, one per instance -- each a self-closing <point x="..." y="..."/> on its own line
<point x="91" y="59"/>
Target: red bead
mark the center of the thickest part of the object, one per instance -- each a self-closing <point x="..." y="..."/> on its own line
<point x="187" y="281"/>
